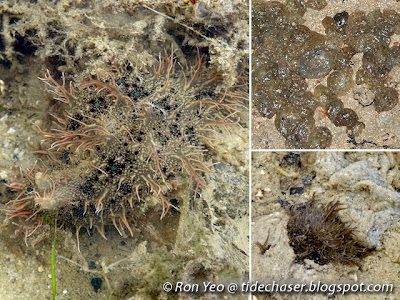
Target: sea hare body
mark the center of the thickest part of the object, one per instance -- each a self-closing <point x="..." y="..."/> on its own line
<point x="118" y="138"/>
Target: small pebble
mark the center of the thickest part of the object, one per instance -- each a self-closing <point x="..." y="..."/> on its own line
<point x="40" y="269"/>
<point x="307" y="180"/>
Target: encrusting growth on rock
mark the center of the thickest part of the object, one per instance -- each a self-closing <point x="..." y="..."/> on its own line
<point x="317" y="233"/>
<point x="119" y="137"/>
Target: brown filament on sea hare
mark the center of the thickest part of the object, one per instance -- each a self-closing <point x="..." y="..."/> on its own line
<point x="316" y="232"/>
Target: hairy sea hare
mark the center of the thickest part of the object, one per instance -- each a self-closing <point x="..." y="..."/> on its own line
<point x="118" y="138"/>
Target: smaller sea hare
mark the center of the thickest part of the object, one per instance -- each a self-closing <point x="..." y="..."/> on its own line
<point x="316" y="232"/>
<point x="316" y="63"/>
<point x="286" y="53"/>
<point x="386" y="98"/>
